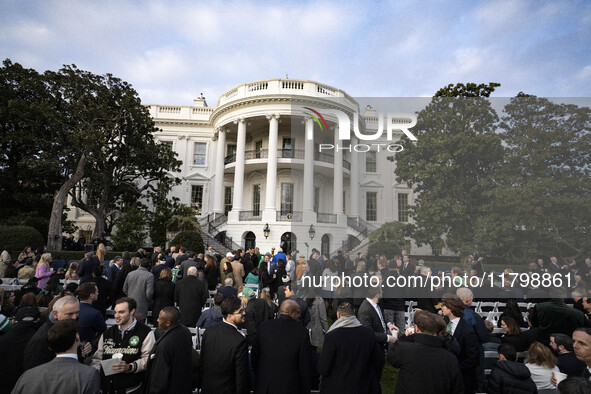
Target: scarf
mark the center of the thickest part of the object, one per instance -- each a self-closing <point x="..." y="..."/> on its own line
<point x="345" y="322"/>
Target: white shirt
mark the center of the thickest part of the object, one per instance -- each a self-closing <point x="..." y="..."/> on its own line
<point x="230" y="324"/>
<point x="541" y="375"/>
<point x="68" y="355"/>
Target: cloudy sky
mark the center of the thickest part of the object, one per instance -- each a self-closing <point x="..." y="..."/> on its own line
<point x="171" y="51"/>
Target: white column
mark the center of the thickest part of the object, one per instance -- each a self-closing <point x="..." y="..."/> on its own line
<point x="218" y="191"/>
<point x="308" y="197"/>
<point x="239" y="169"/>
<point x="269" y="213"/>
<point x="337" y="175"/>
<point x="354" y="180"/>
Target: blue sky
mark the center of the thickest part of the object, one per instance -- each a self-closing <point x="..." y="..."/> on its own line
<point x="171" y="51"/>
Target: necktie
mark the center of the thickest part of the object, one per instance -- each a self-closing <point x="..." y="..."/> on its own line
<point x="449" y="327"/>
<point x="381" y="318"/>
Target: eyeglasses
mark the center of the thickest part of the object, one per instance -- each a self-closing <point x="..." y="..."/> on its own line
<point x="239" y="312"/>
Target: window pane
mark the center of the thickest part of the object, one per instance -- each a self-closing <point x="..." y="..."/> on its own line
<point x="371" y="207"/>
<point x="402" y="207"/>
<point x="258" y="147"/>
<point x="199" y="155"/>
<point x="256" y="200"/>
<point x="370" y="162"/>
<point x="228" y="199"/>
<point x="286" y="198"/>
<point x="197" y="197"/>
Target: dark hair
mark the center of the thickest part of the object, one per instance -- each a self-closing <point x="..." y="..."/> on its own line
<point x="373" y="291"/>
<point x="172" y="314"/>
<point x="331" y="265"/>
<point x="71" y="287"/>
<point x="126" y="255"/>
<point x="62" y="335"/>
<point x="145" y="262"/>
<point x="131" y="303"/>
<point x="512" y="326"/>
<point x="85" y="290"/>
<point x="563" y="340"/>
<point x="508" y="350"/>
<point x="230" y="305"/>
<point x="280" y="263"/>
<point x="426" y="322"/>
<point x="228" y="268"/>
<point x="97" y="271"/>
<point x="346" y="309"/>
<point x="218" y="298"/>
<point x="255" y="271"/>
<point x="454" y="304"/>
<point x="574" y="385"/>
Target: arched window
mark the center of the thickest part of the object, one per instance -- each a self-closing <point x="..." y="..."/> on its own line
<point x="288" y="242"/>
<point x="250" y="240"/>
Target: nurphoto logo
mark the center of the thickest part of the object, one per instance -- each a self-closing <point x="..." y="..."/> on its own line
<point x="395" y="121"/>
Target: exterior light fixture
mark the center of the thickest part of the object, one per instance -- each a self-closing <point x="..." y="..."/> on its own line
<point x="311" y="232"/>
<point x="266" y="230"/>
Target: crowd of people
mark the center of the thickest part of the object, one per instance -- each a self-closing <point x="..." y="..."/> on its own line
<point x="176" y="321"/>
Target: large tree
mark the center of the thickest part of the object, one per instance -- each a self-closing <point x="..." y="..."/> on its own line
<point x="452" y="164"/>
<point x="30" y="169"/>
<point x="109" y="150"/>
<point x="544" y="190"/>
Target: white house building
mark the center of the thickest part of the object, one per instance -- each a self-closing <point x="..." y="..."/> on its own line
<point x="260" y="169"/>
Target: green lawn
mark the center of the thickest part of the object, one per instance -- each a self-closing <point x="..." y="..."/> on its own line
<point x="389" y="378"/>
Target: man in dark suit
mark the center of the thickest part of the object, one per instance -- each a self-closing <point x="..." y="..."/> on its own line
<point x="568" y="363"/>
<point x="86" y="266"/>
<point x="169" y="365"/>
<point x="469" y="356"/>
<point x="190" y="294"/>
<point x="407" y="268"/>
<point x="223" y="365"/>
<point x="370" y="315"/>
<point x="285" y="340"/>
<point x="351" y="359"/>
<point x="64" y="374"/>
<point x="425" y="365"/>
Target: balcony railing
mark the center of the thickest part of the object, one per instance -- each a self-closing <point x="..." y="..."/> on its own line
<point x="326" y="217"/>
<point x="245" y="216"/>
<point x="286" y="154"/>
<point x="289" y="216"/>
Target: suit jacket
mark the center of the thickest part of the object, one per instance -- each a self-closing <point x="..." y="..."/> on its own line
<point x="223" y="365"/>
<point x="85" y="269"/>
<point x="139" y="285"/>
<point x="368" y="317"/>
<point x="468" y="341"/>
<point x="555" y="317"/>
<point x="62" y="375"/>
<point x="425" y="366"/>
<point x="351" y="361"/>
<point x="228" y="291"/>
<point x="190" y="294"/>
<point x="169" y="365"/>
<point x="283" y="340"/>
<point x="238" y="271"/>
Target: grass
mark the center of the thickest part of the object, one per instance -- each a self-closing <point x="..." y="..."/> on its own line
<point x="389" y="378"/>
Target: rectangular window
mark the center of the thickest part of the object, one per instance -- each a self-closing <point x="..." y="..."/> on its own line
<point x="256" y="200"/>
<point x="258" y="147"/>
<point x="402" y="207"/>
<point x="316" y="199"/>
<point x="166" y="144"/>
<point x="371" y="206"/>
<point x="231" y="150"/>
<point x="286" y="198"/>
<point x="370" y="162"/>
<point x="228" y="199"/>
<point x="287" y="147"/>
<point x="197" y="197"/>
<point x="199" y="153"/>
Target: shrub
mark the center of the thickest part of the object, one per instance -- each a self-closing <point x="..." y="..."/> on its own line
<point x="390" y="249"/>
<point x="191" y="240"/>
<point x="16" y="238"/>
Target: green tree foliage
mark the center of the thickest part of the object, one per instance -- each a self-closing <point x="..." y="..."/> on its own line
<point x="389" y="249"/>
<point x="16" y="238"/>
<point x="131" y="230"/>
<point x="391" y="232"/>
<point x="451" y="165"/>
<point x="30" y="170"/>
<point x="543" y="199"/>
<point x="191" y="240"/>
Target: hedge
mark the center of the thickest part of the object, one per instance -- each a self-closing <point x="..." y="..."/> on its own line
<point x="390" y="249"/>
<point x="16" y="238"/>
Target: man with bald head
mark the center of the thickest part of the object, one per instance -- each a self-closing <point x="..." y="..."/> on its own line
<point x="285" y="341"/>
<point x="190" y="294"/>
<point x="169" y="365"/>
